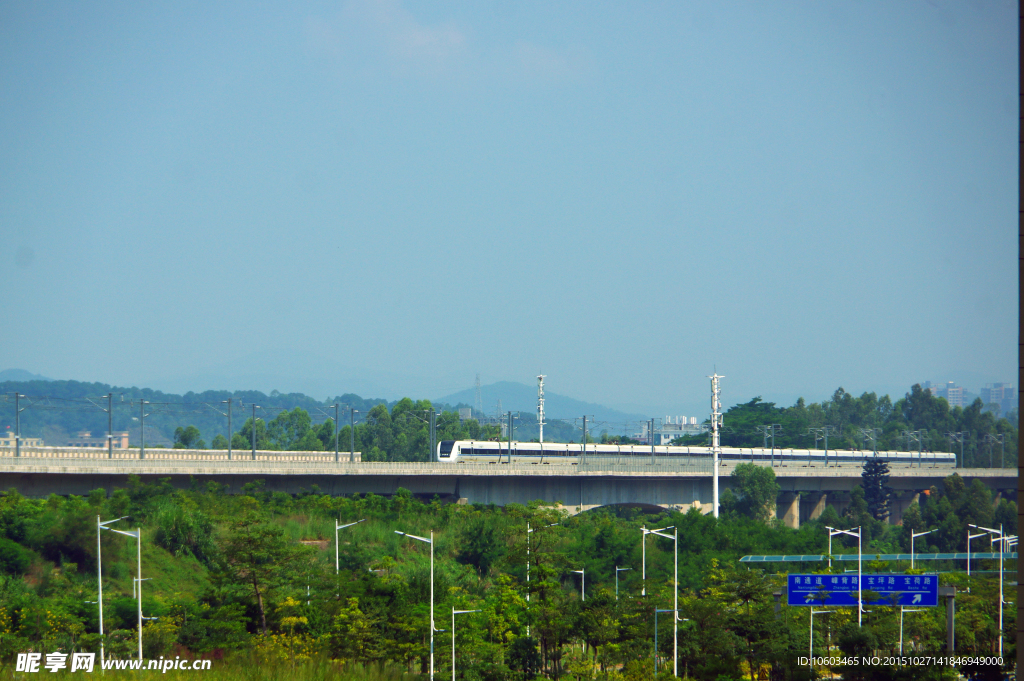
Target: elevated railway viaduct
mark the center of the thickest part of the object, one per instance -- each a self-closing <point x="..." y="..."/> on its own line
<point x="681" y="484"/>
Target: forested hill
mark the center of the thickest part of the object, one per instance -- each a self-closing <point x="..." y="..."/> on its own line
<point x="56" y="409"/>
<point x="918" y="415"/>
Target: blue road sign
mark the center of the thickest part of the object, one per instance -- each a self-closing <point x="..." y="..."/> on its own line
<point x="841" y="590"/>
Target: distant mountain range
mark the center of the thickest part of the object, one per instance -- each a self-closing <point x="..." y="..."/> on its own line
<point x="21" y="375"/>
<point x="519" y="397"/>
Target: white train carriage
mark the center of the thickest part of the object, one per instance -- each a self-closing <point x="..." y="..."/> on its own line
<point x="488" y="451"/>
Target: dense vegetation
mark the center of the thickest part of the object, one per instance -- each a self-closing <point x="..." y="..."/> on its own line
<point x="986" y="439"/>
<point x="252" y="577"/>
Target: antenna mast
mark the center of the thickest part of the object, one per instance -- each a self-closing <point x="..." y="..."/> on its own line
<point x="540" y="405"/>
<point x="478" y="403"/>
<point x="716" y="421"/>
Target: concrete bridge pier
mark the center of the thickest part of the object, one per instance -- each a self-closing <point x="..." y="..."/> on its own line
<point x="790" y="509"/>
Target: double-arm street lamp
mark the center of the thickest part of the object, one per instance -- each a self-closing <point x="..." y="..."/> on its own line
<point x="583" y="582"/>
<point x="431" y="542"/>
<point x="998" y="536"/>
<point x="860" y="574"/>
<point x="811" y="645"/>
<point x="675" y="589"/>
<point x="913" y="536"/>
<point x="617" y="571"/>
<point x="454" y="613"/>
<point x="137" y="535"/>
<point x="99" y="573"/>
<point x="336" y="528"/>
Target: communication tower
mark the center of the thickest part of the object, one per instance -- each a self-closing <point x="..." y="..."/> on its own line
<point x="478" y="404"/>
<point x="540" y="405"/>
<point x="716" y="448"/>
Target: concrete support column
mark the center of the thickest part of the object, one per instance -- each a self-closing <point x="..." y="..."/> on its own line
<point x="790" y="508"/>
<point x="819" y="506"/>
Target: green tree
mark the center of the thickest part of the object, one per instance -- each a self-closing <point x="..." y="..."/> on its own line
<point x="757" y="489"/>
<point x="875" y="481"/>
<point x="188" y="438"/>
<point x="258" y="560"/>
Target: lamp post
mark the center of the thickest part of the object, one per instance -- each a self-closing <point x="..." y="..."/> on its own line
<point x="903" y="610"/>
<point x="617" y="571"/>
<point x="254" y="408"/>
<point x="142" y="428"/>
<point x="352" y="435"/>
<point x="675" y="592"/>
<point x="454" y="613"/>
<point x="811" y="645"/>
<point x="913" y="536"/>
<point x="336" y="528"/>
<point x="656" y="610"/>
<point x="431" y="542"/>
<point x="583" y="582"/>
<point x="997" y="535"/>
<point x="99" y="573"/>
<point x="969" y="538"/>
<point x="137" y="534"/>
<point x="860" y="574"/>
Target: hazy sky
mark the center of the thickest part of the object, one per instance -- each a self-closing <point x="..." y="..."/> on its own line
<point x="391" y="197"/>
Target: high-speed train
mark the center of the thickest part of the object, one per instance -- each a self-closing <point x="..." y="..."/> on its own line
<point x="485" y="451"/>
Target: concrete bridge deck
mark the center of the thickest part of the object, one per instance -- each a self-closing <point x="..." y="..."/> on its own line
<point x="668" y="483"/>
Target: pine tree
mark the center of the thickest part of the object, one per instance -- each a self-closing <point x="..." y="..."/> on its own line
<point x="875" y="481"/>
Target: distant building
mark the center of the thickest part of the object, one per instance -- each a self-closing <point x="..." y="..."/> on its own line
<point x="85" y="439"/>
<point x="1002" y="394"/>
<point x="950" y="391"/>
<point x="671" y="428"/>
<point x="465" y="413"/>
<point x="8" y="441"/>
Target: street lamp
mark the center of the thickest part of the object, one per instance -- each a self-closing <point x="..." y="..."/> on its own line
<point x="137" y="535"/>
<point x="454" y="613"/>
<point x="675" y="592"/>
<point x="913" y="536"/>
<point x="831" y="531"/>
<point x="336" y="528"/>
<point x="583" y="582"/>
<point x="99" y="573"/>
<point x="811" y="645"/>
<point x="903" y="610"/>
<point x="431" y="542"/>
<point x="617" y="571"/>
<point x="998" y="537"/>
<point x="969" y="538"/>
<point x="656" y="610"/>
<point x="860" y="575"/>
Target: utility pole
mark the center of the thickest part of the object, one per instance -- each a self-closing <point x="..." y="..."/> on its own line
<point x="230" y="434"/>
<point x="254" y="408"/>
<point x="433" y="434"/>
<point x="650" y="438"/>
<point x="992" y="440"/>
<point x="17" y="426"/>
<point x="872" y="435"/>
<point x="337" y="427"/>
<point x="716" y="422"/>
<point x="352" y="434"/>
<point x="769" y="431"/>
<point x="540" y="406"/>
<point x="110" y="425"/>
<point x="583" y="451"/>
<point x="958" y="437"/>
<point x="821" y="433"/>
<point x="914" y="436"/>
<point x="142" y="430"/>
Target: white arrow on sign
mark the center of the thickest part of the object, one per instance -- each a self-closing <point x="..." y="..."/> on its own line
<point x="917" y="599"/>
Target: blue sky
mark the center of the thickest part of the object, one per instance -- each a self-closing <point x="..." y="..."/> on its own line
<point x="390" y="197"/>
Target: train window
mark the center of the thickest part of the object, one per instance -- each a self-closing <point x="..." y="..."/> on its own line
<point x="446" y="448"/>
